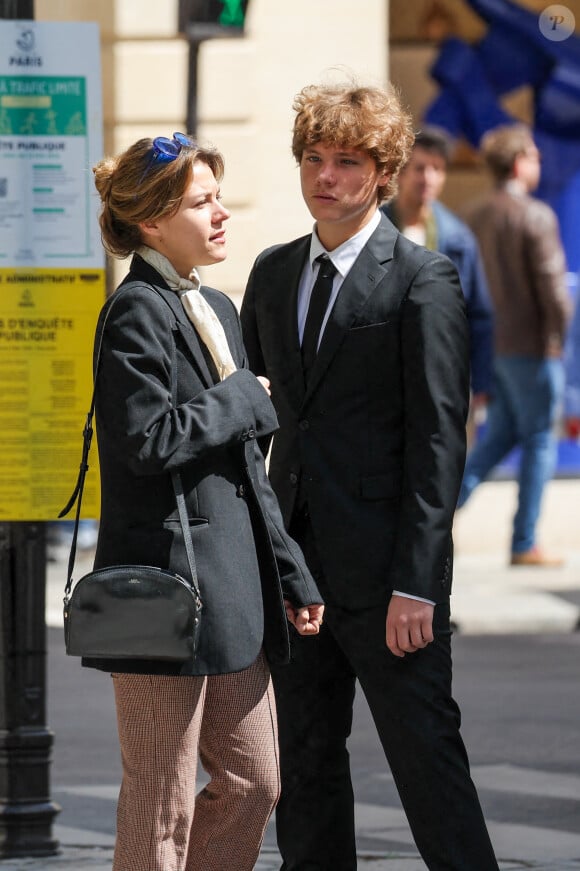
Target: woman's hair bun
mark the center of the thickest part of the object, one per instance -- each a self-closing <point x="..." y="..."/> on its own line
<point x="104" y="172"/>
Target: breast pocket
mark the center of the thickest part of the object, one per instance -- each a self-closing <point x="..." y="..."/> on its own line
<point x="376" y="349"/>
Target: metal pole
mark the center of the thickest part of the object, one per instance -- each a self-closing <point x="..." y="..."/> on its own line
<point x="17" y="9"/>
<point x="26" y="810"/>
<point x="192" y="119"/>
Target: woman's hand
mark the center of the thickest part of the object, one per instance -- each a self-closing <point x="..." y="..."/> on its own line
<point x="306" y="620"/>
<point x="265" y="382"/>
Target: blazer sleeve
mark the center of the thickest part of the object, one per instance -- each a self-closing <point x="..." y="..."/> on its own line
<point x="297" y="583"/>
<point x="435" y="374"/>
<point x="547" y="265"/>
<point x="135" y="379"/>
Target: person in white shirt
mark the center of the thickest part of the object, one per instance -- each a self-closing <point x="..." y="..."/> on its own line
<point x="364" y="337"/>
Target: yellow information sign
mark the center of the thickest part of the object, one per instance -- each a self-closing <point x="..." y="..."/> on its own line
<point x="47" y="324"/>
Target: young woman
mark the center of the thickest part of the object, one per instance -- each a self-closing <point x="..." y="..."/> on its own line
<point x="173" y="393"/>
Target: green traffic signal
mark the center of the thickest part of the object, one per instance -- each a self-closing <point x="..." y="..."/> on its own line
<point x="233" y="13"/>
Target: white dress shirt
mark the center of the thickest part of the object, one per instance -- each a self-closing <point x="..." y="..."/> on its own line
<point x="342" y="259"/>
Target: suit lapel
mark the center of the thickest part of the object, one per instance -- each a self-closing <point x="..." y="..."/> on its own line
<point x="186" y="329"/>
<point x="369" y="269"/>
<point x="191" y="339"/>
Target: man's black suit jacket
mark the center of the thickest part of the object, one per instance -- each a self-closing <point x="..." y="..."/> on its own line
<point x="377" y="438"/>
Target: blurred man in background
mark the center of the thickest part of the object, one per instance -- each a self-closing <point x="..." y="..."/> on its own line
<point x="525" y="267"/>
<point x="418" y="214"/>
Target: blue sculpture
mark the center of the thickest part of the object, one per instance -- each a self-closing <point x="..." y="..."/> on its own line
<point x="515" y="52"/>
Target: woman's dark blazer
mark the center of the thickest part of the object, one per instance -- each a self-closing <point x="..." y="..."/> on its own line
<point x="159" y="409"/>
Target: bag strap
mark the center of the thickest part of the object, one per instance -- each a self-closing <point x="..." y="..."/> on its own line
<point x="77" y="494"/>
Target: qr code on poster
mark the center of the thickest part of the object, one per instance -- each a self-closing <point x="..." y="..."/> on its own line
<point x="3" y="187"/>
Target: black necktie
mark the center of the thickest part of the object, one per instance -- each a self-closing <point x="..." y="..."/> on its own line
<point x="316" y="310"/>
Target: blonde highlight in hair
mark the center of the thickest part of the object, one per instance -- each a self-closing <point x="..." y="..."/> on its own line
<point x="134" y="189"/>
<point x="364" y="118"/>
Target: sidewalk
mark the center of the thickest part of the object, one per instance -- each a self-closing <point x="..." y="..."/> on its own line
<point x="489" y="597"/>
<point x="95" y="859"/>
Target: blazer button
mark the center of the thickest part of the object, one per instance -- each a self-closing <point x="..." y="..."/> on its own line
<point x="304" y="425"/>
<point x="251" y="433"/>
<point x="293" y="478"/>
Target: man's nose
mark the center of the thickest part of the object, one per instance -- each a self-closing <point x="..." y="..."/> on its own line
<point x="326" y="173"/>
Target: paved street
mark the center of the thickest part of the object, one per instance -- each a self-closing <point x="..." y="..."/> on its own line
<point x="517" y="679"/>
<point x="520" y="697"/>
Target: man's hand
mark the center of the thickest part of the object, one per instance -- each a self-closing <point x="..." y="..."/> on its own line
<point x="265" y="382"/>
<point x="307" y="620"/>
<point x="409" y="625"/>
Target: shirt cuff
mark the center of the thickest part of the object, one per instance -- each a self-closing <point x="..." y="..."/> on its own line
<point x="415" y="598"/>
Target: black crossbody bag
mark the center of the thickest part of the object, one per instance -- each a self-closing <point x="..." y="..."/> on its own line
<point x="130" y="611"/>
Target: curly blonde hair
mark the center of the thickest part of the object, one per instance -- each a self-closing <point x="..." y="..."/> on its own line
<point x="364" y="118"/>
<point x="135" y="188"/>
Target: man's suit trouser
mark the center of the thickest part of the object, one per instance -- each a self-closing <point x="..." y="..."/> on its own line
<point x="418" y="724"/>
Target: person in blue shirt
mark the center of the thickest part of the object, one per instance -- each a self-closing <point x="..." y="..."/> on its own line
<point x="418" y="214"/>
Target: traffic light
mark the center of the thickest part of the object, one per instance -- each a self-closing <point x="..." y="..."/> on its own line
<point x="207" y="19"/>
<point x="213" y="17"/>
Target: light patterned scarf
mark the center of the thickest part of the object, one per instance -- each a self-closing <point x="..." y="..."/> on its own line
<point x="199" y="312"/>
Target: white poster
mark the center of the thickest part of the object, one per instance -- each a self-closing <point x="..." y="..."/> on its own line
<point x="50" y="137"/>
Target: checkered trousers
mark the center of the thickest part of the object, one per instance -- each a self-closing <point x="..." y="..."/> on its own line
<point x="164" y="722"/>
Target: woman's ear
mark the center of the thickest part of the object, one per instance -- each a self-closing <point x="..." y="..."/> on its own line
<point x="149" y="230"/>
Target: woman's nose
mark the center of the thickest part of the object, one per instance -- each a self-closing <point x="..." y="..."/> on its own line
<point x="221" y="213"/>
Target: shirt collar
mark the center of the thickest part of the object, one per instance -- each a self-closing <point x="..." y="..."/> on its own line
<point x="345" y="255"/>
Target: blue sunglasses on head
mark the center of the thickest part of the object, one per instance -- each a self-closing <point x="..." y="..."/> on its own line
<point x="165" y="150"/>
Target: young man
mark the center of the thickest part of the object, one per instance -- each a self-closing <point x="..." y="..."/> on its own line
<point x="418" y="214"/>
<point x="367" y="465"/>
<point x="526" y="269"/>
